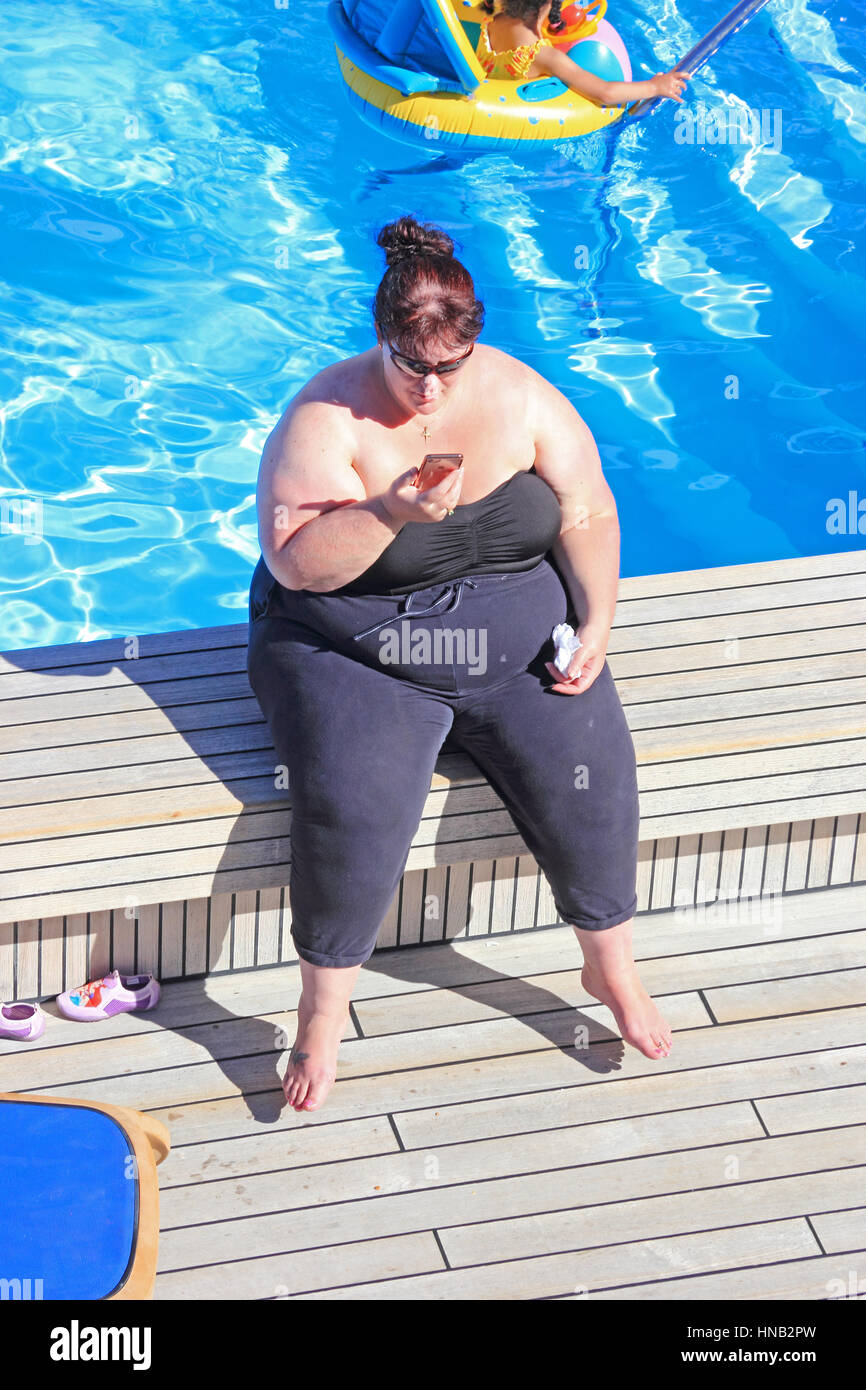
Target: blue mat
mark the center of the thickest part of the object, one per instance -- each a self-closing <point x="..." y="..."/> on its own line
<point x="68" y="1201"/>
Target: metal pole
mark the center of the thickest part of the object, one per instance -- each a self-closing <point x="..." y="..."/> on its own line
<point x="705" y="49"/>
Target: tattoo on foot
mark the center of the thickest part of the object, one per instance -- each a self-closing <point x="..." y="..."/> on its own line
<point x="295" y="1056"/>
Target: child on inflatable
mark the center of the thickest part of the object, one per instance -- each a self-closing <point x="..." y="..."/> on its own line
<point x="513" y="44"/>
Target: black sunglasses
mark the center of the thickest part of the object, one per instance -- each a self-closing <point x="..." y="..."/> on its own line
<point x="412" y="367"/>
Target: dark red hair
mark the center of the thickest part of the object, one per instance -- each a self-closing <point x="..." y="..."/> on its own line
<point x="425" y="295"/>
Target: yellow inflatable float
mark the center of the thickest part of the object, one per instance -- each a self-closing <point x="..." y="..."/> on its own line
<point x="410" y="71"/>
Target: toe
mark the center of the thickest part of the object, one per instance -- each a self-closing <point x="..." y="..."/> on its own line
<point x="317" y="1093"/>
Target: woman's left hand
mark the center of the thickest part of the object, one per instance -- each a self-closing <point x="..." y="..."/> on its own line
<point x="588" y="660"/>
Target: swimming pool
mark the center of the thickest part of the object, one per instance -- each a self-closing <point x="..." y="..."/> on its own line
<point x="188" y="220"/>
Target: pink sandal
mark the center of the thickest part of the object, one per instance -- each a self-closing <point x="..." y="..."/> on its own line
<point x="22" y="1021"/>
<point x="114" y="994"/>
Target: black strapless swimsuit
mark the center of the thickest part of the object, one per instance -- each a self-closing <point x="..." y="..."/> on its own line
<point x="506" y="532"/>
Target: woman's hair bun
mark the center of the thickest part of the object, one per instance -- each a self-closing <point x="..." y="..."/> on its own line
<point x="407" y="237"/>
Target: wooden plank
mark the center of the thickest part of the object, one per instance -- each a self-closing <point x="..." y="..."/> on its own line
<point x="219" y="932"/>
<point x="8" y="987"/>
<point x="599" y="1271"/>
<point x="65" y="732"/>
<point x="685" y="869"/>
<point x="799" y="851"/>
<point x="753" y="857"/>
<point x="22" y="982"/>
<point x="673" y="670"/>
<point x="457" y="906"/>
<point x="502" y="893"/>
<point x="284" y="1277"/>
<point x="75" y="949"/>
<point x="663" y="875"/>
<point x="526" y="884"/>
<point x="759" y="572"/>
<point x="435" y="898"/>
<point x="844" y="844"/>
<point x="815" y="1109"/>
<point x="776" y="858"/>
<point x="147" y="954"/>
<point x="714" y="623"/>
<point x="98" y="944"/>
<point x="124" y="933"/>
<point x="655" y="1218"/>
<point x="171" y="933"/>
<point x="480" y="898"/>
<point x="59" y="680"/>
<point x="52" y="978"/>
<point x="188" y="700"/>
<point x="833" y="989"/>
<point x="830" y="1277"/>
<point x="126" y="844"/>
<point x="195" y="962"/>
<point x="860" y="852"/>
<point x="243" y="949"/>
<point x="111" y="649"/>
<point x="411" y="909"/>
<point x="653" y="697"/>
<point x="780" y="597"/>
<point x="743" y="1078"/>
<point x="842" y="1231"/>
<point x="282" y="1150"/>
<point x="269" y="926"/>
<point x="821" y="851"/>
<point x="107" y="755"/>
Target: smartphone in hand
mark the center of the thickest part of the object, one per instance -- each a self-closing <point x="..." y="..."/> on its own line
<point x="435" y="468"/>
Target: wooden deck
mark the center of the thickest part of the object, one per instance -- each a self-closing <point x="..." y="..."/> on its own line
<point x="468" y="1152"/>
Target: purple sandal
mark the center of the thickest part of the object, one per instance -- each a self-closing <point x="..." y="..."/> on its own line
<point x="23" y="1021"/>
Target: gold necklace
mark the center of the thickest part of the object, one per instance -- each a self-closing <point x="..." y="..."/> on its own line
<point x="426" y="431"/>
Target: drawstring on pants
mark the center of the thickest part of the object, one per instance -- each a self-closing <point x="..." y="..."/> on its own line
<point x="453" y="590"/>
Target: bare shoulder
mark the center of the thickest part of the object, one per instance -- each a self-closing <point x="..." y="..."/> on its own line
<point x="501" y="376"/>
<point x="319" y="411"/>
<point x="536" y="397"/>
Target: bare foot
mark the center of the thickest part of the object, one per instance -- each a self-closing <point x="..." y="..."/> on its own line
<point x="637" y="1017"/>
<point x="312" y="1068"/>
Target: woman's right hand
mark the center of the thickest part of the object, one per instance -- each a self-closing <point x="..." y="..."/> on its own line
<point x="404" y="502"/>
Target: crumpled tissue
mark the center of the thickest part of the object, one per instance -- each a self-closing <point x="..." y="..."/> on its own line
<point x="567" y="642"/>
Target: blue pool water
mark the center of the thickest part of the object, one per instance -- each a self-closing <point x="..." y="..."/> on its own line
<point x="188" y="217"/>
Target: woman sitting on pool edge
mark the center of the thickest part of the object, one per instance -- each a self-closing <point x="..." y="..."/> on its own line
<point x="512" y="45"/>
